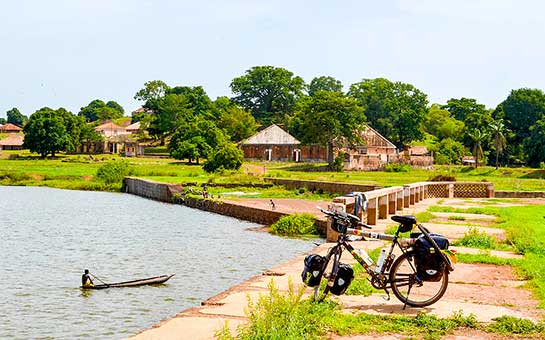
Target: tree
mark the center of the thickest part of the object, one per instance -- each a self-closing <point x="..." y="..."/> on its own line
<point x="533" y="144"/>
<point x="49" y="131"/>
<point x="16" y="117"/>
<point x="463" y="107"/>
<point x="235" y="121"/>
<point x="225" y="156"/>
<point x="169" y="113"/>
<point x="270" y="93"/>
<point x="152" y="90"/>
<point x="324" y="84"/>
<point x="448" y="151"/>
<point x="3" y="121"/>
<point x="479" y="139"/>
<point x="497" y="128"/>
<point x="197" y="99"/>
<point x="327" y="117"/>
<point x="194" y="140"/>
<point x="441" y="124"/>
<point x="396" y="110"/>
<point x="97" y="110"/>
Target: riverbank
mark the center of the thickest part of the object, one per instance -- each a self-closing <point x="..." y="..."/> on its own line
<point x="484" y="290"/>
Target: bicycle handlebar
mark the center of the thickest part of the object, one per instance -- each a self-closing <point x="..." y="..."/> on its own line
<point x="341" y="215"/>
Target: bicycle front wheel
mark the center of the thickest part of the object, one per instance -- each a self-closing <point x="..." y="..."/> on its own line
<point x="329" y="273"/>
<point x="409" y="289"/>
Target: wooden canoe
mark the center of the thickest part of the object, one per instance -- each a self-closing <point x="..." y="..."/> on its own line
<point x="133" y="283"/>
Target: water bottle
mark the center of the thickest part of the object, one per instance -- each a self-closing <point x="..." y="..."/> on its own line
<point x="380" y="260"/>
<point x="365" y="257"/>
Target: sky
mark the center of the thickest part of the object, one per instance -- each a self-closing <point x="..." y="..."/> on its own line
<point x="66" y="53"/>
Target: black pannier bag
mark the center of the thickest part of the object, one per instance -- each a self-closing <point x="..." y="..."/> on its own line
<point x="345" y="275"/>
<point x="313" y="270"/>
<point x="429" y="264"/>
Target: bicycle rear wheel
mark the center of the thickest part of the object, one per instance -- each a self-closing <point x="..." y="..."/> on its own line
<point x="409" y="289"/>
<point x="329" y="272"/>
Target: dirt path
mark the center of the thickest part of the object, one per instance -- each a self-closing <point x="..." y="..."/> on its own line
<point x="487" y="291"/>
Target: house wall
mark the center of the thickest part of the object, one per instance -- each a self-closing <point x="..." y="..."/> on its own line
<point x="313" y="153"/>
<point x="278" y="152"/>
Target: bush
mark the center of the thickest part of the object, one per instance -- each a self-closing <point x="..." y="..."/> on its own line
<point x="397" y="167"/>
<point x="225" y="157"/>
<point x="113" y="172"/>
<point x="338" y="162"/>
<point x="297" y="224"/>
<point x="442" y="178"/>
<point x="476" y="239"/>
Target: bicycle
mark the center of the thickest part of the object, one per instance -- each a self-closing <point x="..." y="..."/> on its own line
<point x="405" y="274"/>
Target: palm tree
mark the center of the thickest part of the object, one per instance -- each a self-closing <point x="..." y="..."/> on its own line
<point x="500" y="142"/>
<point x="479" y="138"/>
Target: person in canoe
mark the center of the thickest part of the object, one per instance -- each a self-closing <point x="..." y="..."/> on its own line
<point x="86" y="279"/>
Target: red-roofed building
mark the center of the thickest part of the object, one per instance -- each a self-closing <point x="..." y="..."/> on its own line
<point x="12" y="142"/>
<point x="10" y="128"/>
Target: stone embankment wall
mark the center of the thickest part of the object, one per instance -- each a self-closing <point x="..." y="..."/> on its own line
<point x="340" y="188"/>
<point x="520" y="194"/>
<point x="166" y="193"/>
<point x="150" y="189"/>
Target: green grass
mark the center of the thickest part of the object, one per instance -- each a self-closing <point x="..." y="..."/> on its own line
<point x="476" y="239"/>
<point x="525" y="228"/>
<point x="516" y="179"/>
<point x="456" y="218"/>
<point x="287" y="315"/>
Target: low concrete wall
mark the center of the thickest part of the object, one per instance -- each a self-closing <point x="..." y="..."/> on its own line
<point x="150" y="189"/>
<point x="333" y="187"/>
<point x="165" y="193"/>
<point x="520" y="194"/>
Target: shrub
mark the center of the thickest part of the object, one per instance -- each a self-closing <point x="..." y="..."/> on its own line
<point x="338" y="162"/>
<point x="397" y="167"/>
<point x="225" y="157"/>
<point x="442" y="178"/>
<point x="476" y="239"/>
<point x="113" y="171"/>
<point x="297" y="224"/>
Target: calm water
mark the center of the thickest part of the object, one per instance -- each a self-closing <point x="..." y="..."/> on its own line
<point x="48" y="236"/>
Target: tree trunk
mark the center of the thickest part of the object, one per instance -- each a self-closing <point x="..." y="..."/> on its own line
<point x="497" y="157"/>
<point x="330" y="158"/>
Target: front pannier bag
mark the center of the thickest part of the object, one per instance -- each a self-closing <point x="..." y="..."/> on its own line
<point x="345" y="275"/>
<point x="313" y="270"/>
<point x="429" y="264"/>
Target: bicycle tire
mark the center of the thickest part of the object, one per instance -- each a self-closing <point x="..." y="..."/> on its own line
<point x="327" y="277"/>
<point x="411" y="291"/>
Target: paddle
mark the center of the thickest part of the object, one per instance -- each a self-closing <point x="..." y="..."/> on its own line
<point x="93" y="275"/>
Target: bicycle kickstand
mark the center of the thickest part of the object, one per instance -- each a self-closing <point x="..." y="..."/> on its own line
<point x="387" y="297"/>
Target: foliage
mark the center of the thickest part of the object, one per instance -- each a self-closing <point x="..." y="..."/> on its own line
<point x="324" y="83"/>
<point x="296" y="224"/>
<point x="327" y="118"/>
<point x="195" y="139"/>
<point x="152" y="90"/>
<point x="513" y="325"/>
<point x="268" y="92"/>
<point x="338" y="163"/>
<point x="16" y="117"/>
<point x="479" y="138"/>
<point x="3" y="120"/>
<point x="397" y="167"/>
<point x="441" y="124"/>
<point x="97" y="110"/>
<point x="396" y="110"/>
<point x="281" y="316"/>
<point x="237" y="123"/>
<point x="226" y="156"/>
<point x="498" y="130"/>
<point x="476" y="239"/>
<point x="113" y="171"/>
<point x="49" y="131"/>
<point x="448" y="151"/>
<point x="533" y="144"/>
<point x="169" y="112"/>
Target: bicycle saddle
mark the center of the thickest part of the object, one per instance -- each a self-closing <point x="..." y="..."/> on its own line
<point x="405" y="220"/>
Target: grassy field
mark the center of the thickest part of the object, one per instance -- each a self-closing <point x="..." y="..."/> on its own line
<point x="78" y="172"/>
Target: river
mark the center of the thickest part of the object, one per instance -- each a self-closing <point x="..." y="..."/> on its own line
<point x="49" y="236"/>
